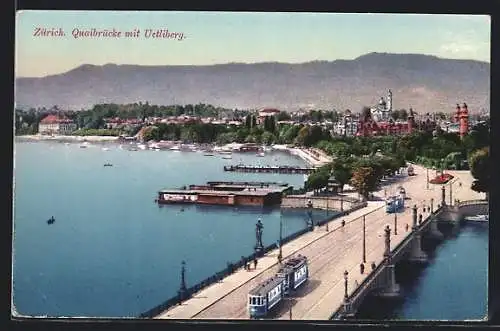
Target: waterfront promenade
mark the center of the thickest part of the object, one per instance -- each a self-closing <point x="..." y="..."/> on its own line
<point x="330" y="254"/>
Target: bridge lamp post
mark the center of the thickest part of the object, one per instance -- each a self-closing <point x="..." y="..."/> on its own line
<point x="432" y="205"/>
<point x="280" y="254"/>
<point x="346" y="296"/>
<point x="364" y="239"/>
<point x="395" y="223"/>
<point x="427" y="182"/>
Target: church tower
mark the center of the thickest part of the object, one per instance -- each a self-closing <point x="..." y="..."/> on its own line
<point x="411" y="121"/>
<point x="464" y="121"/>
<point x="389" y="100"/>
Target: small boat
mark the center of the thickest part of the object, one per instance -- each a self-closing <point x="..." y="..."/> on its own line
<point x="175" y="148"/>
<point x="51" y="220"/>
<point x="105" y="149"/>
<point x="227" y="157"/>
<point x="478" y="218"/>
<point x="142" y="146"/>
<point x="66" y="144"/>
<point x="84" y="145"/>
<point x="261" y="154"/>
<point x="108" y="165"/>
<point x="208" y="154"/>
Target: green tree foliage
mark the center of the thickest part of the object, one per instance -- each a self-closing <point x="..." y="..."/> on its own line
<point x="364" y="180"/>
<point x="317" y="180"/>
<point x="481" y="169"/>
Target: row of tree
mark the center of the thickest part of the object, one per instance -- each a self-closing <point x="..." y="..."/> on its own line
<point x="363" y="173"/>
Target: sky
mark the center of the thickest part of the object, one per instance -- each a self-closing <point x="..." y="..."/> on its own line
<point x="223" y="37"/>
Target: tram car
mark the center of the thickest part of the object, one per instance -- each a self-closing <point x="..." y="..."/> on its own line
<point x="295" y="273"/>
<point x="394" y="204"/>
<point x="269" y="293"/>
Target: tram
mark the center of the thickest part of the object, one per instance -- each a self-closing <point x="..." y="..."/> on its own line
<point x="394" y="204"/>
<point x="269" y="293"/>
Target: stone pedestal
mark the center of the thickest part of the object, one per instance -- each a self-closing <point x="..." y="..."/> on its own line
<point x="416" y="252"/>
<point x="391" y="288"/>
<point x="434" y="231"/>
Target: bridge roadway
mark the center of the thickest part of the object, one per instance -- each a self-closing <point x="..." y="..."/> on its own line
<point x="329" y="254"/>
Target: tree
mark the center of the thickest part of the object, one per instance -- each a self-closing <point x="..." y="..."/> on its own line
<point x="364" y="180"/>
<point x="342" y="171"/>
<point x="268" y="138"/>
<point x="479" y="163"/>
<point x="317" y="180"/>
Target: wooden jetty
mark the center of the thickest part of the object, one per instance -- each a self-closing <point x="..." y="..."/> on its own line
<point x="270" y="169"/>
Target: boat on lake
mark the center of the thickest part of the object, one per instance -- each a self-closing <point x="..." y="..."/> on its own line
<point x="478" y="218"/>
<point x="108" y="165"/>
<point x="51" y="220"/>
<point x="84" y="145"/>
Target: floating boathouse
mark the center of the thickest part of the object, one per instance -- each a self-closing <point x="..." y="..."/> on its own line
<point x="226" y="193"/>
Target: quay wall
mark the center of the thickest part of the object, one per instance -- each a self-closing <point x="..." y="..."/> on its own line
<point x="233" y="266"/>
<point x="332" y="202"/>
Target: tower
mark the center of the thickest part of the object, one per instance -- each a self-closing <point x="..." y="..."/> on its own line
<point x="411" y="121"/>
<point x="464" y="121"/>
<point x="389" y="100"/>
<point x="456" y="117"/>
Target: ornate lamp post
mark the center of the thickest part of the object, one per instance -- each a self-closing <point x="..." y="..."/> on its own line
<point x="432" y="205"/>
<point x="183" y="289"/>
<point x="387" y="251"/>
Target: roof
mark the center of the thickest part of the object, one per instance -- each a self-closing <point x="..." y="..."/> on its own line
<point x="263" y="288"/>
<point x="258" y="192"/>
<point x="269" y="110"/>
<point x="53" y="119"/>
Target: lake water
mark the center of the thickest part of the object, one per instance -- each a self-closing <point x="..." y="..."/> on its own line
<point x="112" y="251"/>
<point x="453" y="286"/>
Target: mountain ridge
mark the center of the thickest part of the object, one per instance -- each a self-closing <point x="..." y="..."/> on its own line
<point x="425" y="82"/>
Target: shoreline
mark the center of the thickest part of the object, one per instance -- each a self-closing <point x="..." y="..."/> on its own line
<point x="67" y="138"/>
<point x="307" y="155"/>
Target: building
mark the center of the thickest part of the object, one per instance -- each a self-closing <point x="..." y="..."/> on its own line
<point x="53" y="124"/>
<point x="382" y="111"/>
<point x="266" y="112"/>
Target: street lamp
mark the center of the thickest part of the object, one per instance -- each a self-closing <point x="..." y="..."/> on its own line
<point x="182" y="289"/>
<point x="432" y="205"/>
<point x="427" y="183"/>
<point x="346" y="296"/>
<point x="309" y="213"/>
<point x="280" y="255"/>
<point x="364" y="240"/>
<point x="395" y="223"/>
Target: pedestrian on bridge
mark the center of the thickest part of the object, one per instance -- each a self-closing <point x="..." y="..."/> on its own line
<point x="362" y="268"/>
<point x="343" y="223"/>
<point x="406" y="227"/>
<point x="326" y="227"/>
<point x="373" y="266"/>
<point x="255" y="263"/>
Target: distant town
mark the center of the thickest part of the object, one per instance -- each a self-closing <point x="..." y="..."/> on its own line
<point x="140" y="118"/>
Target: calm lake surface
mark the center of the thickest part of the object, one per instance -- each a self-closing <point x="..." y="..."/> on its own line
<point x="453" y="286"/>
<point x="112" y="252"/>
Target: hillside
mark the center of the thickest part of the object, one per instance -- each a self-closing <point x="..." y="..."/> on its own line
<point x="427" y="83"/>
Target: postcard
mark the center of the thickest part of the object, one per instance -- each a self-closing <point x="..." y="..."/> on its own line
<point x="251" y="166"/>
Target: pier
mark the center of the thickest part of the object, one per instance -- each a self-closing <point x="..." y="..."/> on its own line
<point x="337" y="284"/>
<point x="270" y="169"/>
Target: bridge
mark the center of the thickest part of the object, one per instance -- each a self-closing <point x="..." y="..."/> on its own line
<point x="337" y="285"/>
